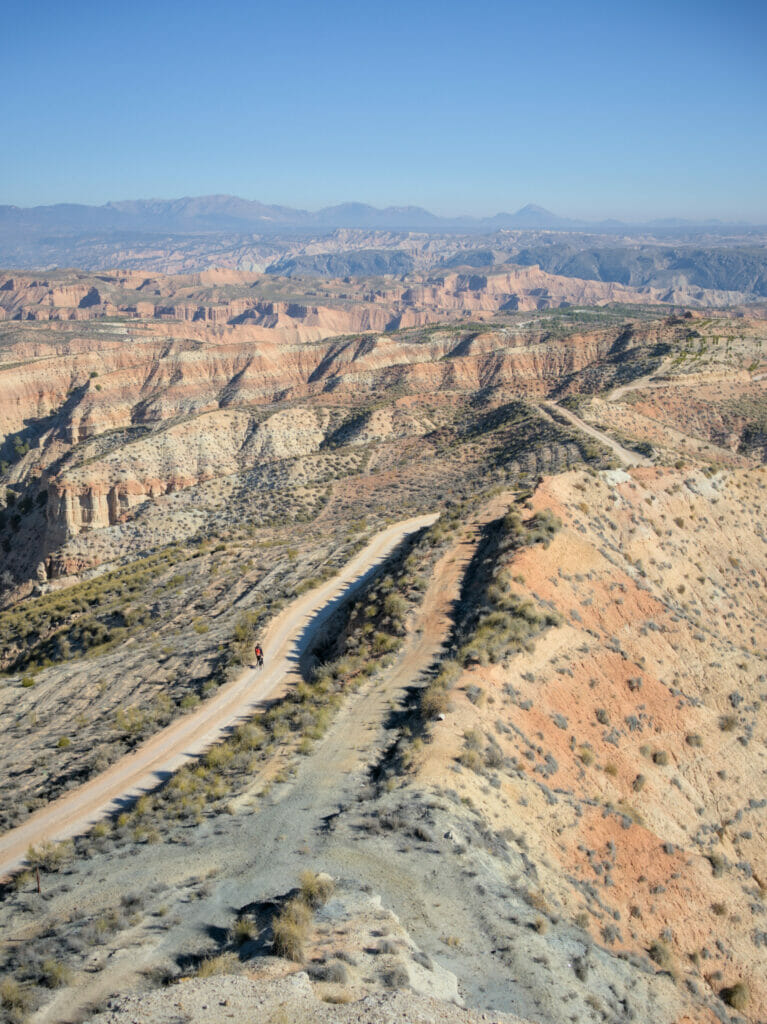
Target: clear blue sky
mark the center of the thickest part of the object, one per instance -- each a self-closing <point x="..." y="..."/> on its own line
<point x="624" y="109"/>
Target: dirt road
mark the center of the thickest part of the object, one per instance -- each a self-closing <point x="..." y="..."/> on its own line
<point x="186" y="738"/>
<point x="261" y="848"/>
<point x="626" y="456"/>
<point x="649" y="380"/>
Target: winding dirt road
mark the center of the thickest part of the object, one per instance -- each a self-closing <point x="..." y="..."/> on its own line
<point x="187" y="737"/>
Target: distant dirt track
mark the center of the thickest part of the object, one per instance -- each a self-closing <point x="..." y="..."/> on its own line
<point x="626" y="456"/>
<point x="187" y="737"/>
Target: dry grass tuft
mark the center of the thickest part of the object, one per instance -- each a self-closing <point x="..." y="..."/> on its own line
<point x="316" y="889"/>
<point x="224" y="963"/>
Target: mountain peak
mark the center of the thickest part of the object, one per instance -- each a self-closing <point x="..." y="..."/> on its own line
<point x="530" y="208"/>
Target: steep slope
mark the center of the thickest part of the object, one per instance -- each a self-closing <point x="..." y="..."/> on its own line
<point x="625" y="752"/>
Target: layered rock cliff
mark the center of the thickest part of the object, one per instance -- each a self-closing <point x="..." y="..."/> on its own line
<point x="231" y="297"/>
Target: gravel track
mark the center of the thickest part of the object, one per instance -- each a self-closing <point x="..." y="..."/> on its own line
<point x="143" y="769"/>
<point x="626" y="456"/>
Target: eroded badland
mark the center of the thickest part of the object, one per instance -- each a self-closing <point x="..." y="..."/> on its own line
<point x="517" y="770"/>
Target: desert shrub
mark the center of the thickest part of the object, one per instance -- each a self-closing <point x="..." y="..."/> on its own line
<point x="538" y="900"/>
<point x="736" y="996"/>
<point x="542" y="527"/>
<point x="130" y="722"/>
<point x="335" y="972"/>
<point x="290" y="929"/>
<point x="54" y="974"/>
<point x="249" y="736"/>
<point x="586" y="755"/>
<point x="395" y="606"/>
<point x="493" y="756"/>
<point x="434" y="701"/>
<point x="694" y="740"/>
<point x="472" y="739"/>
<point x="219" y="755"/>
<point x="728" y="723"/>
<point x="717" y="862"/>
<point x="660" y="953"/>
<point x="224" y="963"/>
<point x="471" y="759"/>
<point x="660" y="757"/>
<point x="396" y="976"/>
<point x="244" y="930"/>
<point x="13" y="995"/>
<point x="131" y="902"/>
<point x="630" y="813"/>
<point x="51" y="856"/>
<point x="316" y="889"/>
<point x="337" y="998"/>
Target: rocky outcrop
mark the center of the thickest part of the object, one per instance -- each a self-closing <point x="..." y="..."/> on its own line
<point x="103" y="492"/>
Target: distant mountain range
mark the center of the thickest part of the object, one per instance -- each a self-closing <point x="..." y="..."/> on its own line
<point x="230" y="214"/>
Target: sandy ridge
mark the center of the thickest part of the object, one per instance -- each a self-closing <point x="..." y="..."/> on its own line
<point x="189" y="736"/>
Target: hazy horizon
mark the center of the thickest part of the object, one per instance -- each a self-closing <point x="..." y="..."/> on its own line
<point x="594" y="113"/>
<point x="447" y="215"/>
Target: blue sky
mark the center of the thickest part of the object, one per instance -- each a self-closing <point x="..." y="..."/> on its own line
<point x="592" y="109"/>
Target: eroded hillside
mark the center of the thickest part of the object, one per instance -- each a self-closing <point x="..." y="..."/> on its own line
<point x="626" y="751"/>
<point x="114" y="434"/>
<point x="530" y="753"/>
